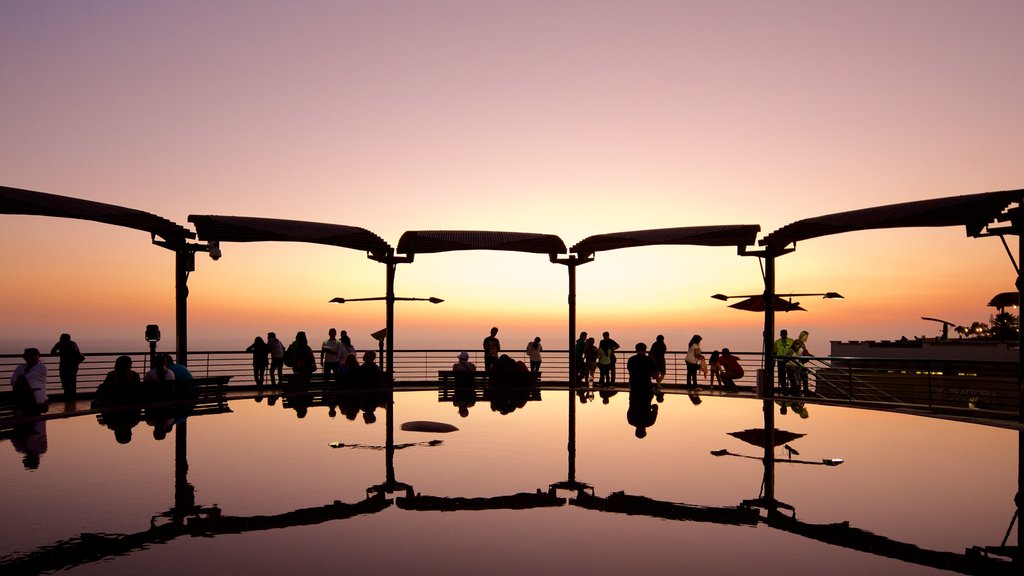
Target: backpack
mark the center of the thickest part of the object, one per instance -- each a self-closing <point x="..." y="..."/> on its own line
<point x="289" y="357"/>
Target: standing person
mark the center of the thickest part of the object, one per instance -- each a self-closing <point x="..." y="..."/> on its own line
<point x="781" y="350"/>
<point x="693" y="360"/>
<point x="276" y="348"/>
<point x="29" y="384"/>
<point x="302" y="361"/>
<point x="330" y="354"/>
<point x="799" y="380"/>
<point x="346" y="347"/>
<point x="580" y="350"/>
<point x="642" y="368"/>
<point x="590" y="357"/>
<point x="604" y="363"/>
<point x="533" y="350"/>
<point x="259" y="350"/>
<point x="492" y="346"/>
<point x="658" y="351"/>
<point x="731" y="369"/>
<point x="611" y="346"/>
<point x="70" y="358"/>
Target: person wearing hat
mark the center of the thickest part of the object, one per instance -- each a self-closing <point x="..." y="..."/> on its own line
<point x="463" y="370"/>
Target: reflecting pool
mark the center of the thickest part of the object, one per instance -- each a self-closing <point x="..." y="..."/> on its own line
<point x="537" y="482"/>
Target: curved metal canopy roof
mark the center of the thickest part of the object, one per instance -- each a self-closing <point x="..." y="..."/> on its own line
<point x="975" y="211"/>
<point x="19" y="201"/>
<point x="725" y="235"/>
<point x="431" y="241"/>
<point x="249" y="229"/>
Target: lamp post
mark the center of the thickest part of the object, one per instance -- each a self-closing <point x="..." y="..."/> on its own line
<point x="388" y="332"/>
<point x="756" y="302"/>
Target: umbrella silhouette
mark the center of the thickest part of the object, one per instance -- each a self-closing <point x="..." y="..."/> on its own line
<point x="756" y="304"/>
<point x="755" y="436"/>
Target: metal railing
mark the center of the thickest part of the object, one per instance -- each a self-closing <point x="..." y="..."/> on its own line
<point x="932" y="384"/>
<point x="410" y="366"/>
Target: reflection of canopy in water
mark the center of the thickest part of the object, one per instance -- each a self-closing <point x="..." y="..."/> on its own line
<point x="755" y="436"/>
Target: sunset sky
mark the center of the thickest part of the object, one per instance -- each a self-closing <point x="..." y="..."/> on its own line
<point x="570" y="118"/>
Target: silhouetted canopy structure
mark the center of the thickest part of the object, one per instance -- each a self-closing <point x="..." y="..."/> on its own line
<point x="433" y="241"/>
<point x="28" y="202"/>
<point x="974" y="211"/>
<point x="756" y="436"/>
<point x="1005" y="299"/>
<point x="725" y="235"/>
<point x="250" y="229"/>
<point x="756" y="304"/>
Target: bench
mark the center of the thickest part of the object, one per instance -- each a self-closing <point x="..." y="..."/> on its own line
<point x="481" y="377"/>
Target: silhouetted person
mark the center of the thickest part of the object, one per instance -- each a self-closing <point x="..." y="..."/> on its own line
<point x="693" y="359"/>
<point x="731" y="369"/>
<point x="658" y="351"/>
<point x="533" y="351"/>
<point x="159" y="372"/>
<point x="611" y="346"/>
<point x="604" y="363"/>
<point x="330" y="354"/>
<point x="642" y="369"/>
<point x="782" y="350"/>
<point x="348" y="372"/>
<point x="299" y="357"/>
<point x="370" y="376"/>
<point x="259" y="351"/>
<point x="492" y="346"/>
<point x="70" y="358"/>
<point x="714" y="368"/>
<point x="180" y="371"/>
<point x="463" y="370"/>
<point x="117" y="398"/>
<point x="29" y="385"/>
<point x="580" y="351"/>
<point x="276" y="348"/>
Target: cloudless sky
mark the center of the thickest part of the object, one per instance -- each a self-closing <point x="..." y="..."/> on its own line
<point x="570" y="118"/>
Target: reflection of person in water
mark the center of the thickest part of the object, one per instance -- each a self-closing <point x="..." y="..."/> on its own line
<point x="29" y="438"/>
<point x="117" y="398"/>
<point x="641" y="413"/>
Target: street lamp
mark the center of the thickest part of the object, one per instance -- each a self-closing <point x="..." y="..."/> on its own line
<point x="781" y="302"/>
<point x="386" y="333"/>
<point x="432" y="300"/>
<point x="824" y="295"/>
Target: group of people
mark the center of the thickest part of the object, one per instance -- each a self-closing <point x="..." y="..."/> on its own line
<point x="492" y="352"/>
<point x="337" y="358"/>
<point x="593" y="356"/>
<point x="790" y="360"/>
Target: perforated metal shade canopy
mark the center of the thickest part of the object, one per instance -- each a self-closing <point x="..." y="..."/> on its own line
<point x="250" y="229"/>
<point x="974" y="211"/>
<point x="723" y="235"/>
<point x="433" y="241"/>
<point x="28" y="202"/>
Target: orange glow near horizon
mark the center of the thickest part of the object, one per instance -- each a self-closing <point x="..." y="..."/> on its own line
<point x="478" y="116"/>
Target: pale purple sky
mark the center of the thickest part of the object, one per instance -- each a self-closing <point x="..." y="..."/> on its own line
<point x="572" y="118"/>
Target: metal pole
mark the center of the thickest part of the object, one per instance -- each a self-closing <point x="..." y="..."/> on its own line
<point x="390" y="336"/>
<point x="573" y="368"/>
<point x="768" y="373"/>
<point x="184" y="260"/>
